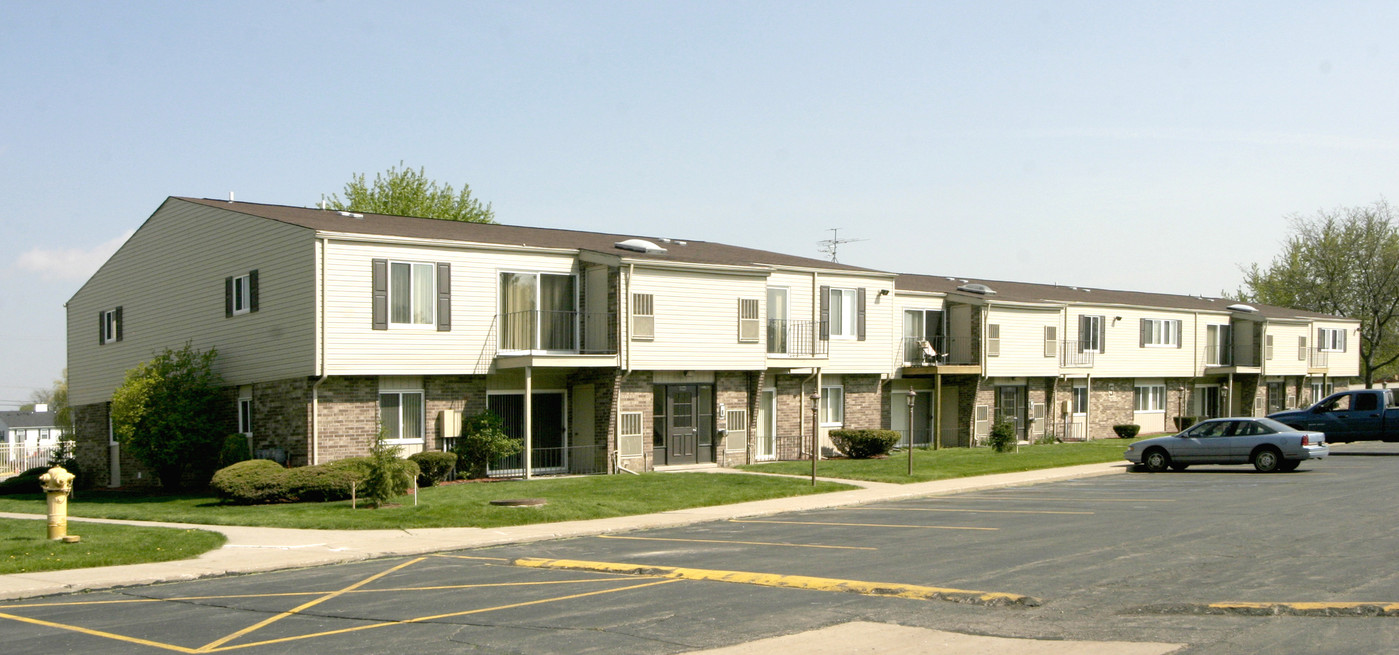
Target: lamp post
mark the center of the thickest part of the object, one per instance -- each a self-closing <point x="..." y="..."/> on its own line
<point x="815" y="433"/>
<point x="912" y="396"/>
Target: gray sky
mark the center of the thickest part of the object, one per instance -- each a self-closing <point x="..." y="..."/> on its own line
<point x="1132" y="145"/>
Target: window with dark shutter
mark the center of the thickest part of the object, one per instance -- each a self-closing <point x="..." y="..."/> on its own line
<point x="444" y="297"/>
<point x="380" y="296"/>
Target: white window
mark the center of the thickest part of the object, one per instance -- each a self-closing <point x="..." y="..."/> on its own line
<point x="412" y="293"/>
<point x="1080" y="400"/>
<point x="843" y="313"/>
<point x="242" y="294"/>
<point x="1331" y="340"/>
<point x="832" y="406"/>
<point x="401" y="409"/>
<point x="643" y="316"/>
<point x="1090" y="334"/>
<point x="1159" y="332"/>
<point x="109" y="326"/>
<point x="245" y="409"/>
<point x="749" y="319"/>
<point x="1151" y="398"/>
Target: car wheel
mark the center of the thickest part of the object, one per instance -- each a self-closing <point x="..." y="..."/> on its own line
<point x="1267" y="460"/>
<point x="1156" y="460"/>
<point x="1289" y="464"/>
<point x="1179" y="467"/>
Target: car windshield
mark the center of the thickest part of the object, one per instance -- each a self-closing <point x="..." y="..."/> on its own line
<point x="1208" y="429"/>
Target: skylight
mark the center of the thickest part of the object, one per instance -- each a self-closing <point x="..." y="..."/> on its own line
<point x="640" y="245"/>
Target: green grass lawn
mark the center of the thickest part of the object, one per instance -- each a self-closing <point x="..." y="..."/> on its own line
<point x="457" y="505"/>
<point x="955" y="462"/>
<point x="25" y="547"/>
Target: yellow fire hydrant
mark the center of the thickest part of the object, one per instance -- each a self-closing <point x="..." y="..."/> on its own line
<point x="58" y="483"/>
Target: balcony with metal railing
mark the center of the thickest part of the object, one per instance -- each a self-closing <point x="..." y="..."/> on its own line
<point x="797" y="339"/>
<point x="937" y="351"/>
<point x="1073" y="354"/>
<point x="1317" y="360"/>
<point x="555" y="338"/>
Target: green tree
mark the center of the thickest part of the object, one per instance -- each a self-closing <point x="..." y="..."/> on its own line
<point x="1343" y="262"/>
<point x="165" y="414"/>
<point x="406" y="192"/>
<point x="483" y="440"/>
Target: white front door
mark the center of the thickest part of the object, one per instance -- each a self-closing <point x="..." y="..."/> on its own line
<point x="765" y="445"/>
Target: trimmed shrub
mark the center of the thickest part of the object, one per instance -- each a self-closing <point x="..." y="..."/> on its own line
<point x="864" y="444"/>
<point x="435" y="466"/>
<point x="235" y="449"/>
<point x="482" y="441"/>
<point x="1002" y="437"/>
<point x="251" y="482"/>
<point x="1126" y="431"/>
<point x="315" y="484"/>
<point x="24" y="483"/>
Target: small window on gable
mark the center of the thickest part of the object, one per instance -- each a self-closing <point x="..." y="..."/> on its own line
<point x="109" y="326"/>
<point x="240" y="294"/>
<point x="749" y="320"/>
<point x="643" y="316"/>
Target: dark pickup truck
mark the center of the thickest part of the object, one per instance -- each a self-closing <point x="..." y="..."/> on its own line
<point x="1359" y="415"/>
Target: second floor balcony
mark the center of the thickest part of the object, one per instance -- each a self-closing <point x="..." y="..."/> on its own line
<point x="1073" y="353"/>
<point x="938" y="350"/>
<point x="557" y="332"/>
<point x="797" y="338"/>
<point x="1317" y="360"/>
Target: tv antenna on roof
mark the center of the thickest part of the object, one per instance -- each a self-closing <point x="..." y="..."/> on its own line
<point x="830" y="245"/>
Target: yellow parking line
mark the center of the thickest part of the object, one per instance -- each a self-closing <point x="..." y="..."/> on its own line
<point x="742" y="543"/>
<point x="790" y="581"/>
<point x="99" y="633"/>
<point x="1310" y="608"/>
<point x="976" y="511"/>
<point x="863" y="525"/>
<point x="435" y="617"/>
<point x="307" y="605"/>
<point x="1091" y="500"/>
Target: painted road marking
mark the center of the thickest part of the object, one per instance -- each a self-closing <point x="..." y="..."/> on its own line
<point x="863" y="525"/>
<point x="897" y="590"/>
<point x="1347" y="608"/>
<point x="742" y="543"/>
<point x="976" y="511"/>
<point x="1096" y="500"/>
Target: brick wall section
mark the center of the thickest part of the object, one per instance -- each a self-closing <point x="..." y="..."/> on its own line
<point x="94" y="456"/>
<point x="1110" y="402"/>
<point x="349" y="416"/>
<point x="281" y="418"/>
<point x="634" y="395"/>
<point x="463" y="393"/>
<point x="731" y="390"/>
<point x="793" y="417"/>
<point x="864" y="402"/>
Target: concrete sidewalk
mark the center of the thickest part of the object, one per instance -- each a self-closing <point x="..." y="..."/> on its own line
<point x="251" y="549"/>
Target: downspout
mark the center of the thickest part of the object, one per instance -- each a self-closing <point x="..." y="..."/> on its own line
<point x="320" y="363"/>
<point x="623" y="343"/>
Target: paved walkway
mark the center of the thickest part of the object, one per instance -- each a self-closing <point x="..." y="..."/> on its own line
<point x="251" y="549"/>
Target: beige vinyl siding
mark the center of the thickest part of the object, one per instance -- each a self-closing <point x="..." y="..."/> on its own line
<point x="1124" y="356"/>
<point x="169" y="280"/>
<point x="1285" y="360"/>
<point x="873" y="355"/>
<point x="696" y="320"/>
<point x="1338" y="364"/>
<point x="353" y="347"/>
<point x="1022" y="342"/>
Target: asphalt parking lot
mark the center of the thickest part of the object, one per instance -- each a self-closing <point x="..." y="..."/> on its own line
<point x="1221" y="559"/>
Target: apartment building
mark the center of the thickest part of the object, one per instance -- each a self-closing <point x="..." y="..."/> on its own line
<point x="607" y="352"/>
<point x="1071" y="362"/>
<point x="600" y="351"/>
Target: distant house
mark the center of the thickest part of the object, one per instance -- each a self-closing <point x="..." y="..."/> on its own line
<point x="31" y="429"/>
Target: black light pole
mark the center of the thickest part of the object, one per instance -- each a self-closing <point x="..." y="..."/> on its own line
<point x="815" y="434"/>
<point x="912" y="396"/>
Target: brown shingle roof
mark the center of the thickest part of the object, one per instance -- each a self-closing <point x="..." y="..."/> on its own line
<point x="681" y="250"/>
<point x="1053" y="293"/>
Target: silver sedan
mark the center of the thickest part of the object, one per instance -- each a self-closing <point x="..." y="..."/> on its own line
<point x="1265" y="443"/>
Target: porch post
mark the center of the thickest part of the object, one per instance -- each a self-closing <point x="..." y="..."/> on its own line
<point x="528" y="453"/>
<point x="937" y="411"/>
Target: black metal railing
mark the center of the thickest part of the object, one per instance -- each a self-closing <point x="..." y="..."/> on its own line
<point x="797" y="338"/>
<point x="557" y="331"/>
<point x="937" y="351"/>
<point x="1317" y="358"/>
<point x="570" y="460"/>
<point x="1073" y="354"/>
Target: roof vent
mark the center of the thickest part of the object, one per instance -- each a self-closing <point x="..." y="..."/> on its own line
<point x="980" y="289"/>
<point x="640" y="245"/>
<point x="1242" y="308"/>
<point x="351" y="214"/>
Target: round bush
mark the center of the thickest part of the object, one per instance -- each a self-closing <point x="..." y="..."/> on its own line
<point x="1126" y="431"/>
<point x="251" y="482"/>
<point x="435" y="466"/>
<point x="864" y="444"/>
<point x="315" y="484"/>
<point x="235" y="449"/>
